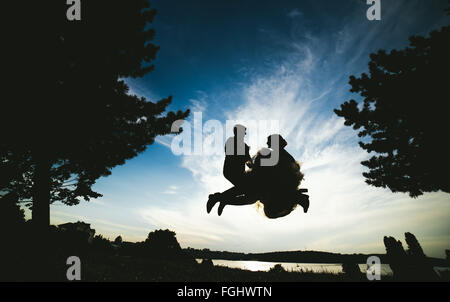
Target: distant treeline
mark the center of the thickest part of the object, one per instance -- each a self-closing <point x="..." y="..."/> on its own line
<point x="295" y="257"/>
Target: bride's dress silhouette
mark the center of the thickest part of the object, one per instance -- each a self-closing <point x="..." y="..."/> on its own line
<point x="275" y="186"/>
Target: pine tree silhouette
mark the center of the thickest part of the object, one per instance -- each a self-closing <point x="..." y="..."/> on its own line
<point x="55" y="145"/>
<point x="403" y="115"/>
<point x="414" y="248"/>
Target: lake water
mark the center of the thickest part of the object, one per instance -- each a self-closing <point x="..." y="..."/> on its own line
<point x="315" y="267"/>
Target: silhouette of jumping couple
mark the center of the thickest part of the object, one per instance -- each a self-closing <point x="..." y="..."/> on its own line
<point x="272" y="179"/>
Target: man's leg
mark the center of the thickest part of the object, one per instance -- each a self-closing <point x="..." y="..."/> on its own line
<point x="212" y="200"/>
<point x="223" y="197"/>
<point x="240" y="200"/>
<point x="236" y="195"/>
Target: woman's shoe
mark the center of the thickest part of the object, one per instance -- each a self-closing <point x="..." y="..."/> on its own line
<point x="306" y="206"/>
<point x="304" y="202"/>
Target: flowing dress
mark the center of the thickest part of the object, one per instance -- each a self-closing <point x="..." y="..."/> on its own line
<point x="276" y="187"/>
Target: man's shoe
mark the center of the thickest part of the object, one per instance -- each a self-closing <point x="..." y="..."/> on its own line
<point x="220" y="208"/>
<point x="212" y="200"/>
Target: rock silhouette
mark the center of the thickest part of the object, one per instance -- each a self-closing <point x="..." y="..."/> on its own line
<point x="410" y="265"/>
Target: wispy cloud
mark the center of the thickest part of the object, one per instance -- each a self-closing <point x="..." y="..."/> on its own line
<point x="346" y="214"/>
<point x="304" y="80"/>
<point x="200" y="103"/>
<point x="294" y="13"/>
<point x="102" y="226"/>
<point x="171" y="190"/>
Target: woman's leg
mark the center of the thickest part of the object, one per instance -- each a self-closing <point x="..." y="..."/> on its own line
<point x="302" y="200"/>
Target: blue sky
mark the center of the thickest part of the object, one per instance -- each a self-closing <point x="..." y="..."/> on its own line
<point x="268" y="60"/>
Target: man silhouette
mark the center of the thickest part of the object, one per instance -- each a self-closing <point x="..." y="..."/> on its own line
<point x="236" y="155"/>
